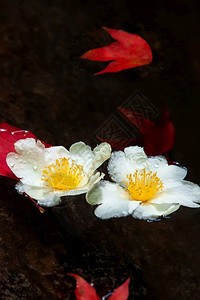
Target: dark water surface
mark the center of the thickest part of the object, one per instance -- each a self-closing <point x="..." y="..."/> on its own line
<point x="47" y="89"/>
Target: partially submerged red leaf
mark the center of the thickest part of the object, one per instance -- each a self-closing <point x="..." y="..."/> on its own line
<point x="158" y="137"/>
<point x="129" y="51"/>
<point x="122" y="292"/>
<point x="8" y="136"/>
<point x="138" y="120"/>
<point x="84" y="291"/>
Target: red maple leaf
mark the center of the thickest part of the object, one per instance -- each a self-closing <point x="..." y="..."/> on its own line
<point x="129" y="51"/>
<point x="156" y="137"/>
<point x="84" y="291"/>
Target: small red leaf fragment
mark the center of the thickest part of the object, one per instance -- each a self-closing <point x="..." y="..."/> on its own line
<point x="122" y="292"/>
<point x="128" y="51"/>
<point x="84" y="291"/>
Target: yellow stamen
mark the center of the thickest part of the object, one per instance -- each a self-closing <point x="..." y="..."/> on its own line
<point x="63" y="174"/>
<point x="143" y="186"/>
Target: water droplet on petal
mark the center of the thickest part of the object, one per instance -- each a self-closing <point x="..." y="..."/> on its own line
<point x="16" y="156"/>
<point x="35" y="168"/>
<point x="12" y="165"/>
<point x="92" y="284"/>
<point x="3" y="129"/>
<point x="156" y="165"/>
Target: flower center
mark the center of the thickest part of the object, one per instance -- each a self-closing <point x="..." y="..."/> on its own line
<point x="143" y="186"/>
<point x="63" y="174"/>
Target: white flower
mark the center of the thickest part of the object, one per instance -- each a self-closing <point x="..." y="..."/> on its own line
<point x="145" y="188"/>
<point x="46" y="174"/>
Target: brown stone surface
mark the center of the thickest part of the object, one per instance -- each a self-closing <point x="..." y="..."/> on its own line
<point x="47" y="89"/>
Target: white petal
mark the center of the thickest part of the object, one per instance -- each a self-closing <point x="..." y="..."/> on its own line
<point x="136" y="157"/>
<point x="80" y="149"/>
<point x="118" y="167"/>
<point x="123" y="163"/>
<point x="101" y="152"/>
<point x="135" y="151"/>
<point x="183" y="193"/>
<point x="55" y="152"/>
<point x="24" y="145"/>
<point x="90" y="160"/>
<point x="44" y="196"/>
<point x="74" y="192"/>
<point x="82" y="154"/>
<point x="114" y="201"/>
<point x="156" y="162"/>
<point x="29" y="165"/>
<point x="94" y="195"/>
<point x="152" y="211"/>
<point x="49" y="201"/>
<point x="95" y="179"/>
<point x="171" y="172"/>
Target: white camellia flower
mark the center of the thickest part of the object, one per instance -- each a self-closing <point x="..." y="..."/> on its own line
<point x="145" y="187"/>
<point x="46" y="174"/>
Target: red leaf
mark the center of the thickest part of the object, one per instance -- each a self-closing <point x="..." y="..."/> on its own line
<point x="129" y="51"/>
<point x="158" y="137"/>
<point x="8" y="136"/>
<point x="137" y="119"/>
<point x="84" y="291"/>
<point x="122" y="292"/>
